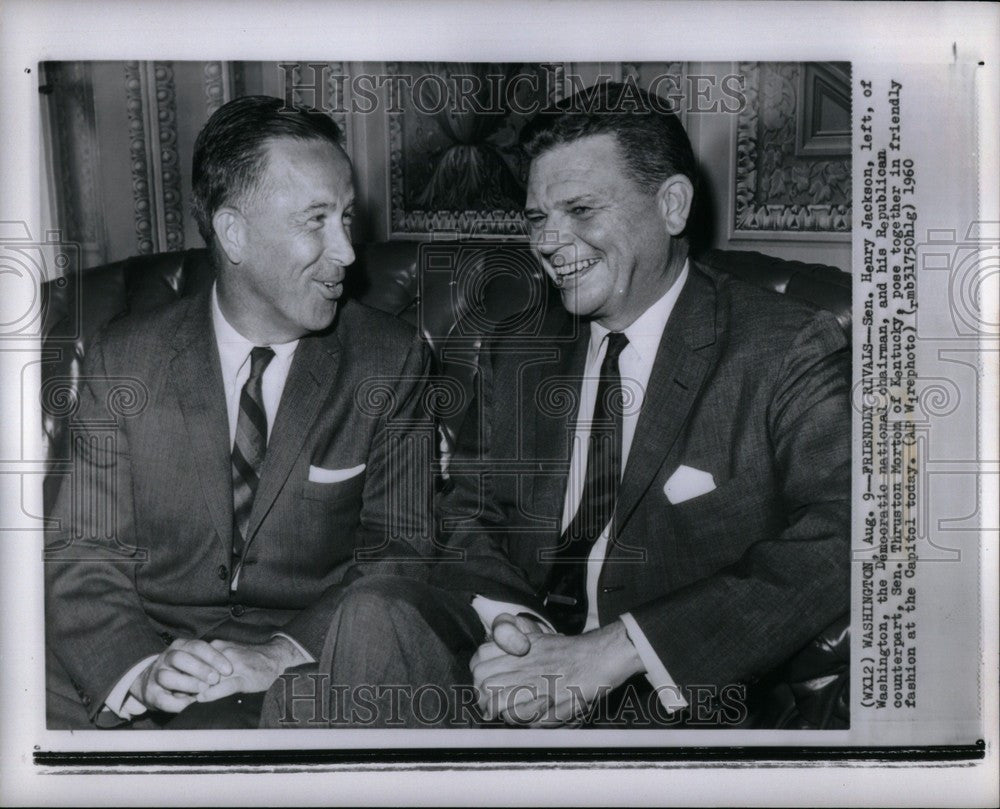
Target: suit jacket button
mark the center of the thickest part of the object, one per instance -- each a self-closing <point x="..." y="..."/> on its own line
<point x="86" y="701"/>
<point x="236" y="610"/>
<point x="223" y="572"/>
<point x="167" y="638"/>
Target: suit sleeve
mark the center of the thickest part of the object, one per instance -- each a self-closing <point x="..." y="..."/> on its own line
<point x="474" y="560"/>
<point x="395" y="534"/>
<point x="96" y="625"/>
<point x="749" y="617"/>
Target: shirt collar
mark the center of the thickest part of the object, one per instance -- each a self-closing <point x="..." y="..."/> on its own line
<point x="646" y="331"/>
<point x="234" y="348"/>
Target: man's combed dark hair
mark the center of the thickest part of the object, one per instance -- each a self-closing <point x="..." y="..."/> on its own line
<point x="652" y="140"/>
<point x="230" y="154"/>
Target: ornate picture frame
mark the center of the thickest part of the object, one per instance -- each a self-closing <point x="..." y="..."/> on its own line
<point x="459" y="171"/>
<point x="779" y="189"/>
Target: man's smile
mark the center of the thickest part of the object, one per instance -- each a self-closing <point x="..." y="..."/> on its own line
<point x="331" y="289"/>
<point x="576" y="268"/>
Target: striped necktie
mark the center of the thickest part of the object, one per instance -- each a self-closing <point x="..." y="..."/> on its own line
<point x="248" y="450"/>
<point x="566" y="586"/>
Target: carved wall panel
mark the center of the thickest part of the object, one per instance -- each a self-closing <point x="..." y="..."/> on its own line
<point x="777" y="187"/>
<point x="155" y="165"/>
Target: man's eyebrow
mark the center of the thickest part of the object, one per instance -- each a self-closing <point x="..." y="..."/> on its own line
<point x="315" y="206"/>
<point x="569" y="201"/>
<point x="322" y="206"/>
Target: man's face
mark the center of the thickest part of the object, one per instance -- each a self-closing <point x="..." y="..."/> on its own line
<point x="296" y="243"/>
<point x="600" y="237"/>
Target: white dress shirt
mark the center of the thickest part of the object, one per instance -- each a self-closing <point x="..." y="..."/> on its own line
<point x="635" y="365"/>
<point x="234" y="359"/>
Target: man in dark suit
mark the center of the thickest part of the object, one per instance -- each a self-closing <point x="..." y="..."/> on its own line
<point x="202" y="547"/>
<point x="651" y="499"/>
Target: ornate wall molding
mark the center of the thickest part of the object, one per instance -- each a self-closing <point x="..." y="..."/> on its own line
<point x="223" y="81"/>
<point x="218" y="86"/>
<point x="166" y="116"/>
<point x="155" y="165"/>
<point x="774" y="190"/>
<point x="141" y="199"/>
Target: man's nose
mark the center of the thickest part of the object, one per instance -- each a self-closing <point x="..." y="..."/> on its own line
<point x="338" y="246"/>
<point x="547" y="241"/>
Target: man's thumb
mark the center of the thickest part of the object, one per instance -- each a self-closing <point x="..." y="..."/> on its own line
<point x="508" y="637"/>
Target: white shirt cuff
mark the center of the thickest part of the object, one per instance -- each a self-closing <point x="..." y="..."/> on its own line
<point x="120" y="702"/>
<point x="487" y="609"/>
<point x="301" y="649"/>
<point x="664" y="685"/>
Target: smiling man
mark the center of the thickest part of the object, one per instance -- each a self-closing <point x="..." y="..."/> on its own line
<point x="244" y="488"/>
<point x="650" y="506"/>
<point x="699" y="533"/>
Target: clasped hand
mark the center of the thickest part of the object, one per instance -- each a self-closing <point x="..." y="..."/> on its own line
<point x="532" y="678"/>
<point x="191" y="670"/>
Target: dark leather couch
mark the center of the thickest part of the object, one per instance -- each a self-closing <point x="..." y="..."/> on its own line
<point x="454" y="293"/>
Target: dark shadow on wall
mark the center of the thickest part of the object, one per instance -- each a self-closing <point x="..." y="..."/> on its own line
<point x="702" y="227"/>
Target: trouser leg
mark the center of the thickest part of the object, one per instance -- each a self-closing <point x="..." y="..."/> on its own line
<point x="396" y="655"/>
<point x="235" y="712"/>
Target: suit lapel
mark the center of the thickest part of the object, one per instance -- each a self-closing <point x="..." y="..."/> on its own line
<point x="196" y="376"/>
<point x="685" y="354"/>
<point x="314" y="369"/>
<point x="554" y="426"/>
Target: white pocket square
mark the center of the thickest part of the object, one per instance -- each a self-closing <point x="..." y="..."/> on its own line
<point x="317" y="474"/>
<point x="686" y="483"/>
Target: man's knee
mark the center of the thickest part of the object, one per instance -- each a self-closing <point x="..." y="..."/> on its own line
<point x="375" y="600"/>
<point x="388" y="587"/>
<point x="389" y="621"/>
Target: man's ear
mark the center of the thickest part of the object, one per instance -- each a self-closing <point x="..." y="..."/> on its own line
<point x="231" y="232"/>
<point x="674" y="200"/>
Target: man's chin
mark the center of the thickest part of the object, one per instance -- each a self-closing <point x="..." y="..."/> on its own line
<point x="331" y="317"/>
<point x="325" y="319"/>
<point x="575" y="304"/>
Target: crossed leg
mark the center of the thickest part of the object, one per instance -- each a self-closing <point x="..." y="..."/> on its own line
<point x="396" y="655"/>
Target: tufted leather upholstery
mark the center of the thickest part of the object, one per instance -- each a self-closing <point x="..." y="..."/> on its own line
<point x="818" y="284"/>
<point x="462" y="292"/>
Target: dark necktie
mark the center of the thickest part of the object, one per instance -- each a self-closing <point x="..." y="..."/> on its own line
<point x="248" y="449"/>
<point x="566" y="586"/>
